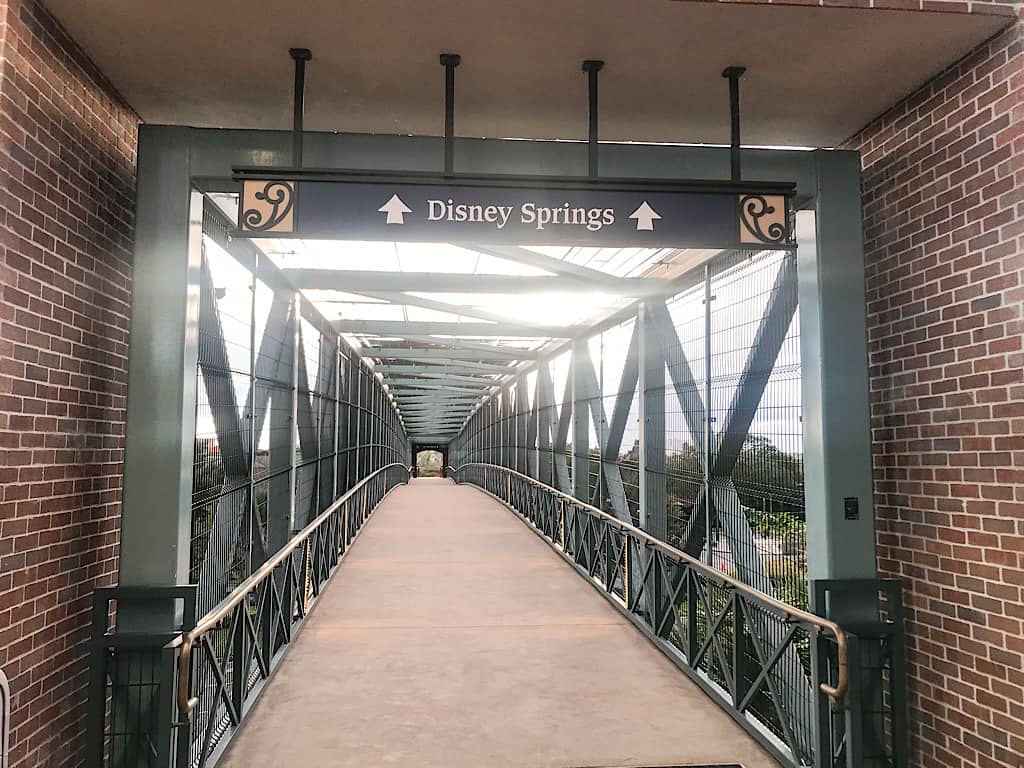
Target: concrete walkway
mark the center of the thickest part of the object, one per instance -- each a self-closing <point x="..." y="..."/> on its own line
<point x="453" y="636"/>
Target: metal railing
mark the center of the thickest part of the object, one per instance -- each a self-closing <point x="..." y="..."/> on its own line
<point x="781" y="672"/>
<point x="5" y="718"/>
<point x="203" y="681"/>
<point x="232" y="650"/>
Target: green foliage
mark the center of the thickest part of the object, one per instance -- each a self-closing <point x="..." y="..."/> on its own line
<point x="790" y="582"/>
<point x="768" y="481"/>
<point x="762" y="470"/>
<point x="428" y="463"/>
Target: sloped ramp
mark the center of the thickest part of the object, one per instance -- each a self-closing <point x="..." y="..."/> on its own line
<point x="453" y="636"/>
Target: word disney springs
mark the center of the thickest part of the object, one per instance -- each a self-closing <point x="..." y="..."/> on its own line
<point x="594" y="219"/>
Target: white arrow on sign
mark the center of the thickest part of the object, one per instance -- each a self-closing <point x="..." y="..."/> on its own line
<point x="645" y="216"/>
<point x="396" y="210"/>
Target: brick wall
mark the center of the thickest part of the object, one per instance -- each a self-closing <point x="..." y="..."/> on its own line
<point x="67" y="157"/>
<point x="944" y="226"/>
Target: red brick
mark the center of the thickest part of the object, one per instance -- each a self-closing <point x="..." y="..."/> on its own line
<point x="969" y="192"/>
<point x="66" y="285"/>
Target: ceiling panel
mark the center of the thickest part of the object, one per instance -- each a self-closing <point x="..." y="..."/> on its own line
<point x="815" y="74"/>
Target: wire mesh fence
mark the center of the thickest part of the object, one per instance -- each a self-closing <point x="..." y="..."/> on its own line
<point x="775" y="666"/>
<point x="288" y="418"/>
<point x="731" y="426"/>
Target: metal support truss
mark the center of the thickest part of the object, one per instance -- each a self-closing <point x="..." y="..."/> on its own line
<point x="653" y="517"/>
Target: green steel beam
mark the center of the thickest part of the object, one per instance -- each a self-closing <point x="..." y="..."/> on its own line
<point x="834" y="386"/>
<point x="400" y="390"/>
<point x="429" y="375"/>
<point x="359" y="281"/>
<point x="408" y="299"/>
<point x="157" y="486"/>
<point x="427" y="328"/>
<point x="597" y="279"/>
<point x="399" y="353"/>
<point x="157" y="500"/>
<point x="460" y="366"/>
<point x="446" y="385"/>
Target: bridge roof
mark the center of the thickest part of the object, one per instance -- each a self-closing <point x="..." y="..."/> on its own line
<point x="446" y="324"/>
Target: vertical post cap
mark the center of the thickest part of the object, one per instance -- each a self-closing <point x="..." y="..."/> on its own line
<point x="300" y="54"/>
<point x="451" y="59"/>
<point x="736" y="72"/>
<point x="592" y="65"/>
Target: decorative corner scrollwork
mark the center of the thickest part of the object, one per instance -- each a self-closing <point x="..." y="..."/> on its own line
<point x="764" y="220"/>
<point x="267" y="206"/>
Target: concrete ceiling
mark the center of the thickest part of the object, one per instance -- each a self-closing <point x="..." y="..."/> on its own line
<point x="816" y="75"/>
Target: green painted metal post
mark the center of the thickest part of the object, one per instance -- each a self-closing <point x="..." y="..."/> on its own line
<point x="836" y="422"/>
<point x="580" y="423"/>
<point x="653" y="515"/>
<point x="161" y="411"/>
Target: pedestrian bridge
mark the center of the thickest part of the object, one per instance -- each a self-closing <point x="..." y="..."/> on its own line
<point x="494" y="621"/>
<point x="451" y="635"/>
<point x="653" y="543"/>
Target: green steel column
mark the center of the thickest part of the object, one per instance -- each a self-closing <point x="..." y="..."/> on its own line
<point x="293" y="424"/>
<point x="833" y="347"/>
<point x="580" y="422"/>
<point x="651" y="389"/>
<point x="281" y="434"/>
<point x="522" y="425"/>
<point x="507" y="424"/>
<point x="161" y="409"/>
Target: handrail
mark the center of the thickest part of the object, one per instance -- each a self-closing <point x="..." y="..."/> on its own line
<point x="218" y="614"/>
<point x="5" y="718"/>
<point x="836" y="693"/>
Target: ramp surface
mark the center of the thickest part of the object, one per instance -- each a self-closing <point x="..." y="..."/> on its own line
<point x="451" y="636"/>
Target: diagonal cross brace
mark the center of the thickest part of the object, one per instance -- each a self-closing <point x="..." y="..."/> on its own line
<point x="611" y="438"/>
<point x="564" y="484"/>
<point x="545" y="406"/>
<point x="220" y="392"/>
<point x="764" y="351"/>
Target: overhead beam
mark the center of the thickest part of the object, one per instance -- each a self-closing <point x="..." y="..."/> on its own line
<point x="435" y="418"/>
<point x="465" y="310"/>
<point x="424" y="375"/>
<point x="398" y="389"/>
<point x="445" y="385"/>
<point x="359" y="281"/>
<point x="430" y="409"/>
<point x="448" y="342"/>
<point x="433" y="396"/>
<point x="438" y="328"/>
<point x="446" y="365"/>
<point x="398" y="353"/>
<point x="415" y="398"/>
<point x="435" y="424"/>
<point x="551" y="264"/>
<point x="408" y="407"/>
<point x="458" y="345"/>
<point x="411" y="395"/>
<point x="421" y="418"/>
<point x="422" y="409"/>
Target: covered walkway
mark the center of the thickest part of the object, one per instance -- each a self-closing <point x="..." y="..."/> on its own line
<point x="452" y="636"/>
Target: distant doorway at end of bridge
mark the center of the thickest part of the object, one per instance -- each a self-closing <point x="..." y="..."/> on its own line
<point x="430" y="462"/>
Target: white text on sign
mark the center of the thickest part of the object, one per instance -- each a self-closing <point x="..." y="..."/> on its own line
<point x="594" y="219"/>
